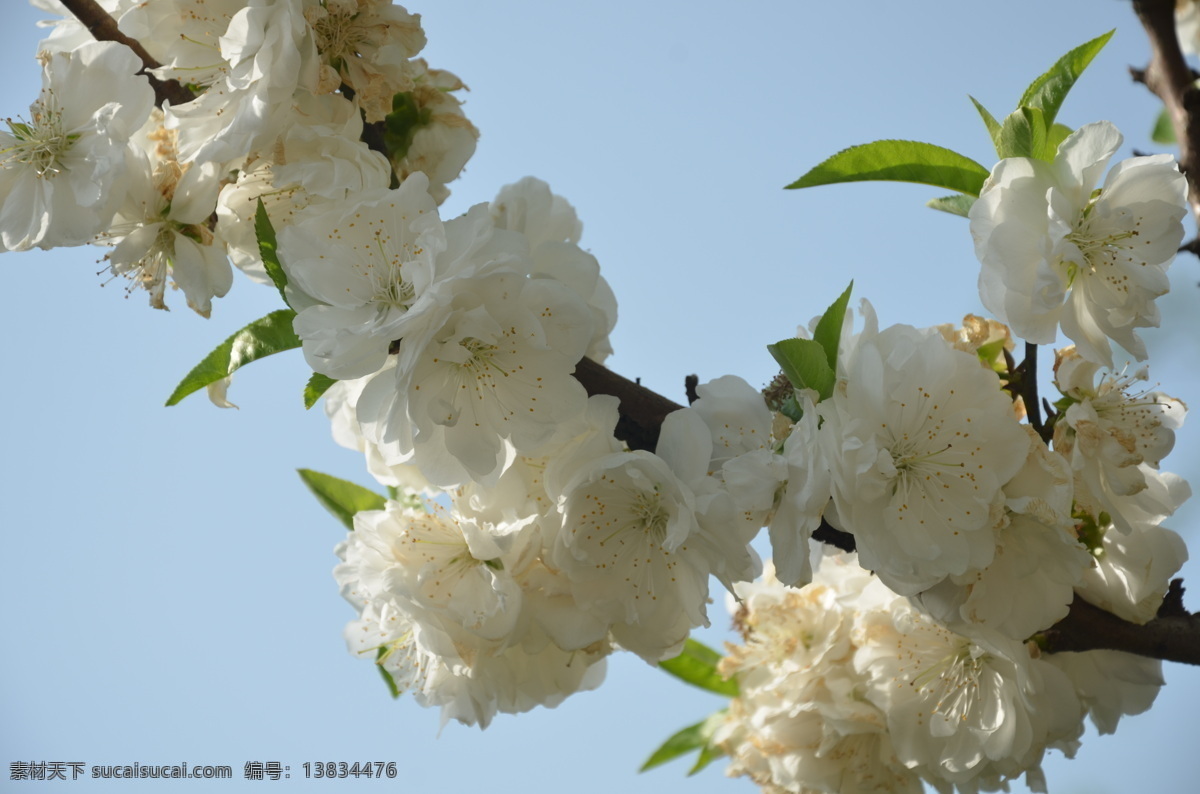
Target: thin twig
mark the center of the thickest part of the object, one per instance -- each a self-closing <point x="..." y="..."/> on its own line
<point x="1029" y="392"/>
<point x="104" y="28"/>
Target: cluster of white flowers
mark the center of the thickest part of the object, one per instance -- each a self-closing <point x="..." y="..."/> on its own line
<point x="283" y="89"/>
<point x="846" y="686"/>
<point x="530" y="542"/>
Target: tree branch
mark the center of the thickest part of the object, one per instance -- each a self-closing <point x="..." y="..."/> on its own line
<point x="104" y="28"/>
<point x="1028" y="383"/>
<point x="1171" y="80"/>
<point x="642" y="410"/>
<point x="1171" y="637"/>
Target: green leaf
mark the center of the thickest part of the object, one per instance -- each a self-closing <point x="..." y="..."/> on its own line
<point x="341" y="497"/>
<point x="380" y="655"/>
<point x="957" y="204"/>
<point x="267" y="249"/>
<point x="989" y="121"/>
<point x="708" y="754"/>
<point x="261" y="338"/>
<point x="1048" y="91"/>
<point x="805" y="364"/>
<point x="692" y="737"/>
<point x="697" y="665"/>
<point x="680" y="743"/>
<point x="992" y="356"/>
<point x="402" y="123"/>
<point x="1058" y="134"/>
<point x="1024" y="134"/>
<point x="791" y="408"/>
<point x="898" y="161"/>
<point x="829" y="327"/>
<point x="1164" y="130"/>
<point x="317" y="385"/>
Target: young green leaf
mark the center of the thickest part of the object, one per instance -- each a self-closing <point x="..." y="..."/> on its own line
<point x="401" y="125"/>
<point x="693" y="737"/>
<point x="829" y="328"/>
<point x="341" y="497"/>
<point x="387" y="677"/>
<point x="261" y="338"/>
<point x="957" y="204"/>
<point x="317" y="385"/>
<point x="1164" y="130"/>
<point x="1058" y="134"/>
<point x="992" y="356"/>
<point x="1048" y="91"/>
<point x="708" y="754"/>
<point x="898" y="161"/>
<point x="697" y="665"/>
<point x="805" y="364"/>
<point x="989" y="121"/>
<point x="680" y="743"/>
<point x="267" y="249"/>
<point x="1023" y="134"/>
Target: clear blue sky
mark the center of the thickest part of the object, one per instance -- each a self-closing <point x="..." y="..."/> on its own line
<point x="165" y="582"/>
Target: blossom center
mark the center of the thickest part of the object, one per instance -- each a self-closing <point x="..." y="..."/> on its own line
<point x="954" y="680"/>
<point x="40" y="143"/>
<point x="388" y="284"/>
<point x="338" y="35"/>
<point x="649" y="514"/>
<point x="479" y="355"/>
<point x="1099" y="249"/>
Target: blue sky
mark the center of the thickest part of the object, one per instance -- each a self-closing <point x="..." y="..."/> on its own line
<point x="166" y="589"/>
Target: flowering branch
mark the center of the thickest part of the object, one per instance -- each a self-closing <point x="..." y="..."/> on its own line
<point x="104" y="28"/>
<point x="1174" y="635"/>
<point x="1171" y="80"/>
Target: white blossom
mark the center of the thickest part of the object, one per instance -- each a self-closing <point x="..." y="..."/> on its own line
<point x="318" y="159"/>
<point x="919" y="440"/>
<point x="489" y="379"/>
<point x="805" y="496"/>
<point x="625" y="544"/>
<point x="552" y="229"/>
<point x="800" y="722"/>
<point x="1132" y="571"/>
<point x="440" y="138"/>
<point x="267" y="53"/>
<point x="974" y="715"/>
<point x="1115" y="437"/>
<point x="1029" y="584"/>
<point x="62" y="170"/>
<point x="182" y="35"/>
<point x="1111" y="684"/>
<point x="366" y="44"/>
<point x="360" y="274"/>
<point x="1056" y="253"/>
<point x="161" y="230"/>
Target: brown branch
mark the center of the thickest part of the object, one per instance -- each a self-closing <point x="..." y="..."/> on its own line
<point x="1029" y="393"/>
<point x="825" y="533"/>
<point x="1171" y="637"/>
<point x="642" y="410"/>
<point x="104" y="28"/>
<point x="1171" y="80"/>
